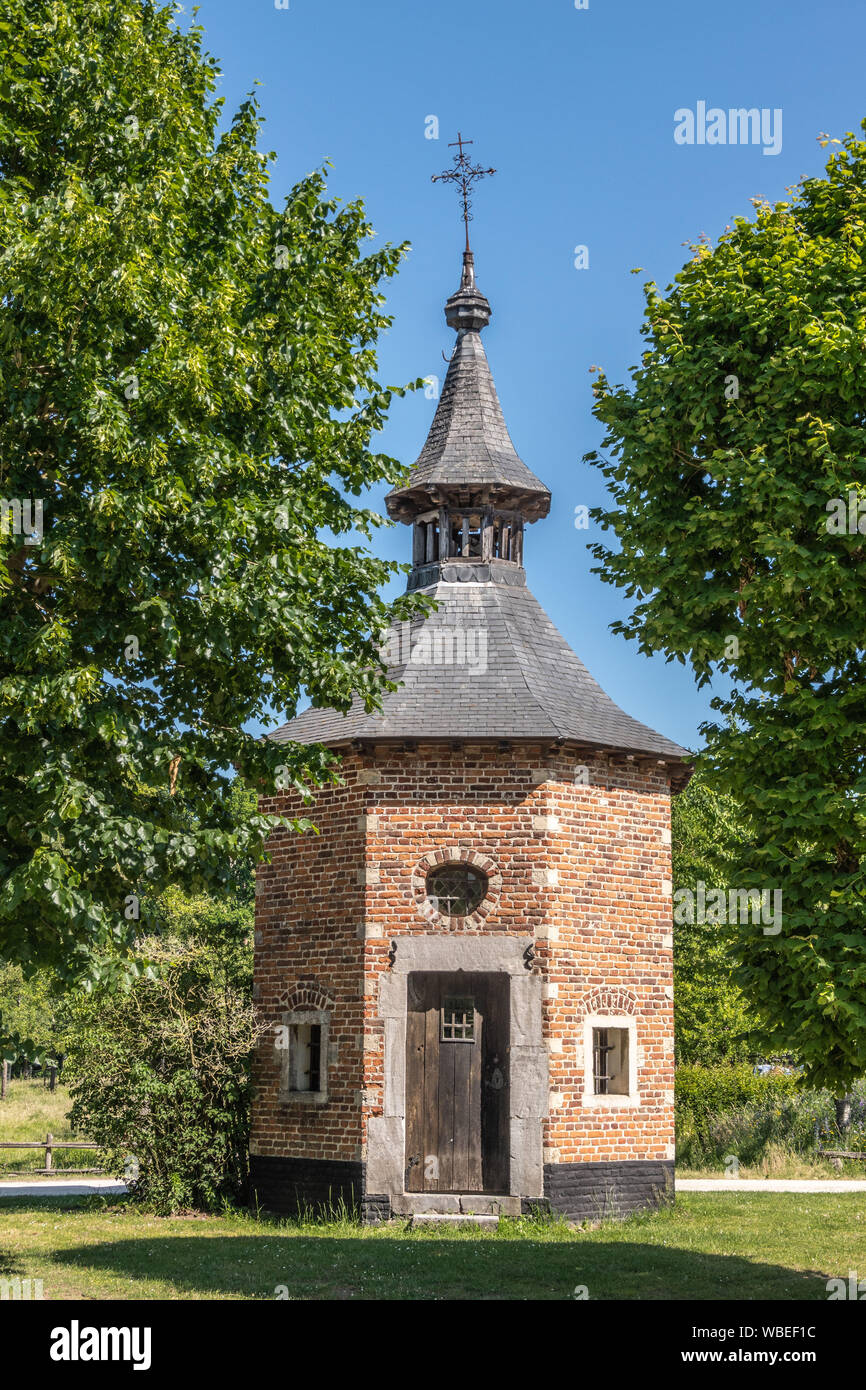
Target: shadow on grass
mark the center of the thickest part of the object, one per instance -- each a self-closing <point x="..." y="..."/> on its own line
<point x="290" y="1265"/>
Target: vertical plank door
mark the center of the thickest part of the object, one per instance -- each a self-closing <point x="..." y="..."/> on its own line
<point x="457" y="1093"/>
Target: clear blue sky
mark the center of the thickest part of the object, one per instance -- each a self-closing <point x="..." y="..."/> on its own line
<point x="575" y="109"/>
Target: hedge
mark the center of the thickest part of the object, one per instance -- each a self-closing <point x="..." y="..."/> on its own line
<point x="702" y="1093"/>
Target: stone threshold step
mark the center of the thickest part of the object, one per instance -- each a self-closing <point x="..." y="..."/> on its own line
<point x="456" y="1204"/>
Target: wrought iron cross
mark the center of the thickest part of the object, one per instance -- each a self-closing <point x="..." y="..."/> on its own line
<point x="464" y="175"/>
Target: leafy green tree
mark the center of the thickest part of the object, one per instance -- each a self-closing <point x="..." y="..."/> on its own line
<point x="743" y="424"/>
<point x="188" y="378"/>
<point x="36" y="1013"/>
<point x="712" y="1019"/>
<point x="28" y="1009"/>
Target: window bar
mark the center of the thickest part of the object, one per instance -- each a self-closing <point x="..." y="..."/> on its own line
<point x="315" y="1056"/>
<point x="601" y="1079"/>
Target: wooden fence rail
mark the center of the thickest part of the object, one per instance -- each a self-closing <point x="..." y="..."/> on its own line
<point x="839" y="1154"/>
<point x="49" y="1144"/>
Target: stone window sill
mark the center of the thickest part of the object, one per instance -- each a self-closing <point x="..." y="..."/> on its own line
<point x="303" y="1097"/>
<point x="610" y="1102"/>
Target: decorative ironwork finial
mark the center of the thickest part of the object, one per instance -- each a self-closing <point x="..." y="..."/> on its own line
<point x="464" y="175"/>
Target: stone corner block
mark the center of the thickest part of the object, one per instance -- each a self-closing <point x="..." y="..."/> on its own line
<point x="385" y="1159"/>
<point x="545" y="878"/>
<point x="539" y="775"/>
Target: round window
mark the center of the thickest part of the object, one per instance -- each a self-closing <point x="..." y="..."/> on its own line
<point x="455" y="890"/>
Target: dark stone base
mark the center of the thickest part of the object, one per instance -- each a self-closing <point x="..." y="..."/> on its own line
<point x="375" y="1210"/>
<point x="291" y="1186"/>
<point x="577" y="1191"/>
<point x="595" y="1191"/>
<point x="535" y="1206"/>
<point x="297" y="1186"/>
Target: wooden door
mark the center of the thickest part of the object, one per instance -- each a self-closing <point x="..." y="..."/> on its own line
<point x="457" y="1093"/>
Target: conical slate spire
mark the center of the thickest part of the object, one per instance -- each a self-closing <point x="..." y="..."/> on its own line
<point x="487" y="663"/>
<point x="469" y="448"/>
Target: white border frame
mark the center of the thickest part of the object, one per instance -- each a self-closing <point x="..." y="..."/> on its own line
<point x="610" y="1102"/>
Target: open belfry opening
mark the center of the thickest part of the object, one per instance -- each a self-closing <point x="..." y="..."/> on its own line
<point x="468" y="971"/>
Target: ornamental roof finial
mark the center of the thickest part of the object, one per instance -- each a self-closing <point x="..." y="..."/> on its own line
<point x="464" y="175"/>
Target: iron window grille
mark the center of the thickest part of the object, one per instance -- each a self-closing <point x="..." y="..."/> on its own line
<point x="458" y="1019"/>
<point x="610" y="1061"/>
<point x="456" y="890"/>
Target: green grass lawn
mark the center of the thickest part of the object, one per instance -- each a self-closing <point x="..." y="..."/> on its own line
<point x="709" y="1246"/>
<point x="30" y="1111"/>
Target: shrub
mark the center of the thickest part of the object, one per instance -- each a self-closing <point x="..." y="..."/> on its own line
<point x="162" y="1072"/>
<point x="712" y="1017"/>
<point x="702" y="1092"/>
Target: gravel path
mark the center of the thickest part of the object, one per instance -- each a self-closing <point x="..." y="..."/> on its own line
<point x="53" y="1187"/>
<point x="771" y="1184"/>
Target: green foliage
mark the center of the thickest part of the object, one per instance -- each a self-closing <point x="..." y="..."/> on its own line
<point x="161" y="1070"/>
<point x="744" y="420"/>
<point x="727" y="1110"/>
<point x="222" y="927"/>
<point x="712" y="1018"/>
<point x="704" y="1092"/>
<point x="188" y="378"/>
<point x="28" y="1007"/>
<point x="242" y="803"/>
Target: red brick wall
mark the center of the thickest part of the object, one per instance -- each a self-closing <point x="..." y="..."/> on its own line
<point x="591" y="885"/>
<point x="309" y="904"/>
<point x="610" y="951"/>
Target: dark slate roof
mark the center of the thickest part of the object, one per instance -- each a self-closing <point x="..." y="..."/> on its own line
<point x="469" y="443"/>
<point x="529" y="685"/>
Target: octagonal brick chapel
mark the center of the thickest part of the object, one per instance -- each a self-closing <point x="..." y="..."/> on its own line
<point x="468" y="971"/>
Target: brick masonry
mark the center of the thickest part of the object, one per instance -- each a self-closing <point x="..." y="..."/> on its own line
<point x="581" y="866"/>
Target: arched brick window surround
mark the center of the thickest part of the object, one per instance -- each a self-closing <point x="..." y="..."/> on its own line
<point x="434" y="859"/>
<point x="609" y="1001"/>
<point x="306" y="996"/>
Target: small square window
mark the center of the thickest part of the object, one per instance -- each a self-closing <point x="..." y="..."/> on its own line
<point x="305" y="1056"/>
<point x="304" y="1047"/>
<point x="458" y="1019"/>
<point x="610" y="1061"/>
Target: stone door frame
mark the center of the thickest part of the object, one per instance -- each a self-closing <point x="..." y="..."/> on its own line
<point x="386" y="1133"/>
